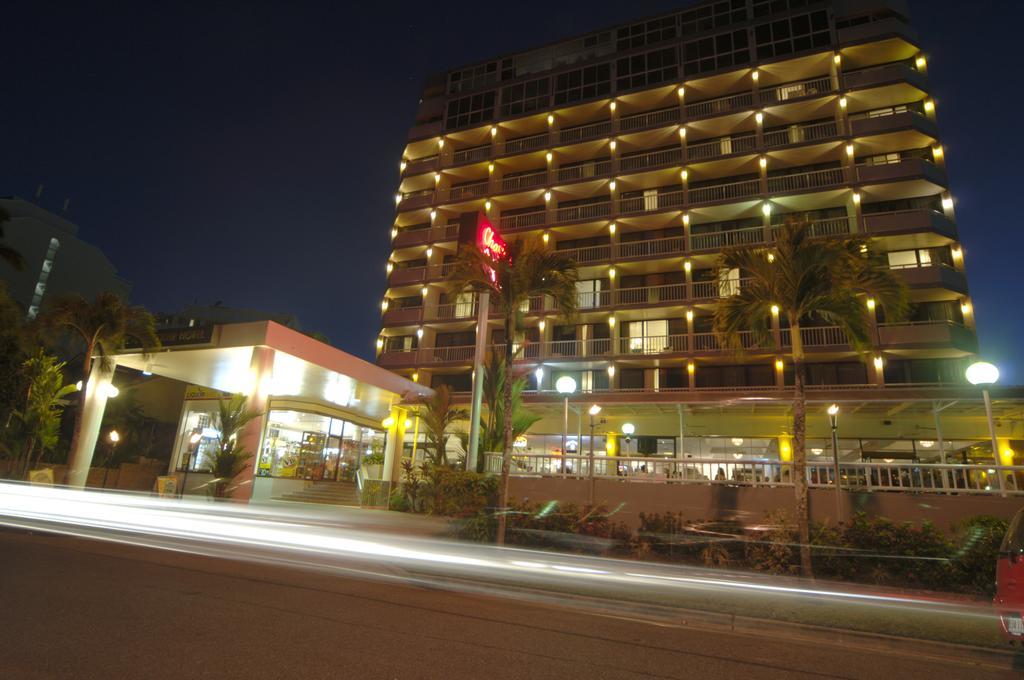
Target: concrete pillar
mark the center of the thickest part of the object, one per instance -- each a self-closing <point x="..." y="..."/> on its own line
<point x="261" y="373"/>
<point x="80" y="459"/>
<point x="392" y="471"/>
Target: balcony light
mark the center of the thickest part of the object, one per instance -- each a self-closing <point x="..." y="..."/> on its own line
<point x="771" y="258"/>
<point x="394" y="233"/>
<point x="437" y="177"/>
<point x="390" y="267"/>
<point x="398" y="198"/>
<point x="612" y="144"/>
<point x="766" y="208"/>
<point x="430" y="251"/>
<point x="611" y="371"/>
<point x="547" y="195"/>
<point x="687" y="266"/>
<point x="490" y="167"/>
<point x="384" y="305"/>
<point x="947" y="203"/>
<point x="690" y="367"/>
<point x="920" y="62"/>
<point x="380" y="343"/>
<point x="871" y="304"/>
<point x="402" y="166"/>
<point x="775" y="310"/>
<point x="878" y="361"/>
<point x="424" y="291"/>
<point x="856" y="197"/>
<point x="681" y="91"/>
<point x="546" y="237"/>
<point x="957" y="253"/>
<point x="612" y="185"/>
<point x="548" y="156"/>
<point x="487" y="206"/>
<point x="611" y="321"/>
<point x="419" y="332"/>
<point x="415" y="377"/>
<point x="611" y="273"/>
<point x="763" y="162"/>
<point x="929" y="106"/>
<point x="755" y="76"/>
<point x="440" y="143"/>
<point x="759" y="117"/>
<point x="686" y="219"/>
<point x="541" y="325"/>
<point x="551" y="119"/>
<point x="494" y="131"/>
<point x="612" y="105"/>
<point x="611" y="228"/>
<point x="689" y="315"/>
<point x="842" y="102"/>
<point x="779" y="365"/>
<point x="682" y="132"/>
<point x="433" y="215"/>
<point x="684" y="174"/>
<point x="965" y="307"/>
<point x="837" y="59"/>
<point x="937" y="152"/>
<point x="849" y="150"/>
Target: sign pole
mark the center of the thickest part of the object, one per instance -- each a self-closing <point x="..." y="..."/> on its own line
<point x="483" y="303"/>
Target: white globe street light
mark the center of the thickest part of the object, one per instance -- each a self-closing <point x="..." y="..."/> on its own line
<point x="565" y="386"/>
<point x="594" y="410"/>
<point x="984" y="374"/>
<point x="628" y="429"/>
<point x="833" y="421"/>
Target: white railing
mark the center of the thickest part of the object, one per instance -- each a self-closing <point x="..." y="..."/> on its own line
<point x="651" y="159"/>
<point x="722" y="239"/>
<point x="817" y="228"/>
<point x="585" y="171"/>
<point x="526" y="143"/>
<point x="798" y="134"/>
<point x="907" y="477"/>
<point x="520" y="182"/>
<point x="477" y="153"/>
<point x="523" y="220"/>
<point x="454" y="310"/>
<point x="648" y="295"/>
<point x="664" y="200"/>
<point x="446" y="354"/>
<point x="639" y="121"/>
<point x="708" y="290"/>
<point x="584" y="212"/>
<point x="817" y="336"/>
<point x="805" y="180"/>
<point x="711" y="107"/>
<point x="583" y="133"/>
<point x="588" y="253"/>
<point x="804" y="88"/>
<point x="592" y="299"/>
<point x="657" y="246"/>
<point x="474" y="190"/>
<point x="653" y="344"/>
<point x="724" y="192"/>
<point x="721" y="147"/>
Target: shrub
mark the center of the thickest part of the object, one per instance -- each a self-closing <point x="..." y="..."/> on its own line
<point x="774" y="549"/>
<point x="976" y="552"/>
<point x="669" y="535"/>
<point x="896" y="553"/>
<point x="458" y="493"/>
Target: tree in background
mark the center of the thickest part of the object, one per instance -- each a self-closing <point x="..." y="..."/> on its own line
<point x="808" y="279"/>
<point x="492" y="425"/>
<point x="8" y="254"/>
<point x="104" y="327"/>
<point x="437" y="416"/>
<point x="230" y="458"/>
<point x="38" y="421"/>
<point x="13" y="353"/>
<point x="529" y="270"/>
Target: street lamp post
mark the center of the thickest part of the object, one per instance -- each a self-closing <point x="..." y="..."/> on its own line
<point x="984" y="374"/>
<point x="565" y="385"/>
<point x="833" y="420"/>
<point x="628" y="429"/>
<point x="114" y="438"/>
<point x="594" y="410"/>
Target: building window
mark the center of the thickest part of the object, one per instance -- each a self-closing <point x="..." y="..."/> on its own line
<point x="525" y="97"/>
<point x="713" y="16"/>
<point x="472" y="110"/>
<point x="301" y="445"/>
<point x="646" y="33"/>
<point x="715" y="52"/>
<point x="585" y="83"/>
<point x="473" y="78"/>
<point x="457" y="382"/>
<point x="793" y="34"/>
<point x="650" y="68"/>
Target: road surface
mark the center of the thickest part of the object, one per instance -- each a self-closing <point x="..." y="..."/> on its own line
<point x="74" y="608"/>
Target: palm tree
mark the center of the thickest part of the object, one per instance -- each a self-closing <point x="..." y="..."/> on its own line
<point x="529" y="270"/>
<point x="823" y="279"/>
<point x="8" y="254"/>
<point x="437" y="416"/>
<point x="492" y="428"/>
<point x="39" y="420"/>
<point x="104" y="327"/>
<point x="230" y="458"/>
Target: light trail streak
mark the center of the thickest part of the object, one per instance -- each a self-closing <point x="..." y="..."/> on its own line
<point x="333" y="540"/>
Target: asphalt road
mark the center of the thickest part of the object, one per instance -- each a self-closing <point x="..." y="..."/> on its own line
<point x="73" y="608"/>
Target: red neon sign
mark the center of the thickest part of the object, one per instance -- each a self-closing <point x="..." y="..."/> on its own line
<point x="490" y="241"/>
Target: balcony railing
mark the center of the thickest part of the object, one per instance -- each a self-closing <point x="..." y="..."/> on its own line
<point x="709" y="290"/>
<point x="817" y="228"/>
<point x="653" y="202"/>
<point x="523" y="220"/>
<point x="453" y="310"/>
<point x="649" y="295"/>
<point x="588" y="254"/>
<point x="653" y="344"/>
<point x="725" y="192"/>
<point x="651" y="159"/>
<point x="475" y="190"/>
<point x="728" y="238"/>
<point x="446" y="354"/>
<point x="593" y="299"/>
<point x="574" y="173"/>
<point x="590" y="211"/>
<point x="766" y="470"/>
<point x="582" y="133"/>
<point x="651" y="247"/>
<point x="798" y="90"/>
<point x="523" y="182"/>
<point x="473" y="155"/>
<point x="721" y="147"/>
<point x="799" y="134"/>
<point x="720" y="105"/>
<point x="815" y="179"/>
<point x="817" y="336"/>
<point x="573" y="348"/>
<point x="650" y="119"/>
<point x="530" y="143"/>
<point x="413" y="237"/>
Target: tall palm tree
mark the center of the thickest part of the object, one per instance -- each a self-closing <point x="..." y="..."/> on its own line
<point x="8" y="254"/>
<point x="529" y="270"/>
<point x="492" y="428"/>
<point x="437" y="416"/>
<point x="104" y="327"/>
<point x="230" y="458"/>
<point x="825" y="279"/>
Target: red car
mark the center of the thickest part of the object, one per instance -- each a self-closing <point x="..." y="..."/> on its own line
<point x="1009" y="599"/>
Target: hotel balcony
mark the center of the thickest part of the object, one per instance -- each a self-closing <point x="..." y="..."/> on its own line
<point x="866" y="125"/>
<point x="909" y="221"/>
<point x="904" y="169"/>
<point x="935" y="275"/>
<point x="925" y="334"/>
<point x="418" y="237"/>
<point x="876" y="31"/>
<point x="886" y="74"/>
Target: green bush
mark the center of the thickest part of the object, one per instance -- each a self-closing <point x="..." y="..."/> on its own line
<point x="670" y="536"/>
<point x="458" y="493"/>
<point x="976" y="552"/>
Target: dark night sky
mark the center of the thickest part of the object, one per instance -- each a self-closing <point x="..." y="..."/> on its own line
<point x="249" y="152"/>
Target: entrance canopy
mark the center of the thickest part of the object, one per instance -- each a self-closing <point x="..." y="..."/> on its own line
<point x="301" y="368"/>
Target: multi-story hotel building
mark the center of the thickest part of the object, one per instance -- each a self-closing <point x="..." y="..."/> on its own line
<point x="641" y="151"/>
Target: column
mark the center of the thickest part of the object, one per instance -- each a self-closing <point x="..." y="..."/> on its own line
<point x="80" y="458"/>
<point x="261" y="372"/>
<point x="394" y="445"/>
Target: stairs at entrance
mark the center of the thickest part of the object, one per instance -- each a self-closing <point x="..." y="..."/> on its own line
<point x="326" y="493"/>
